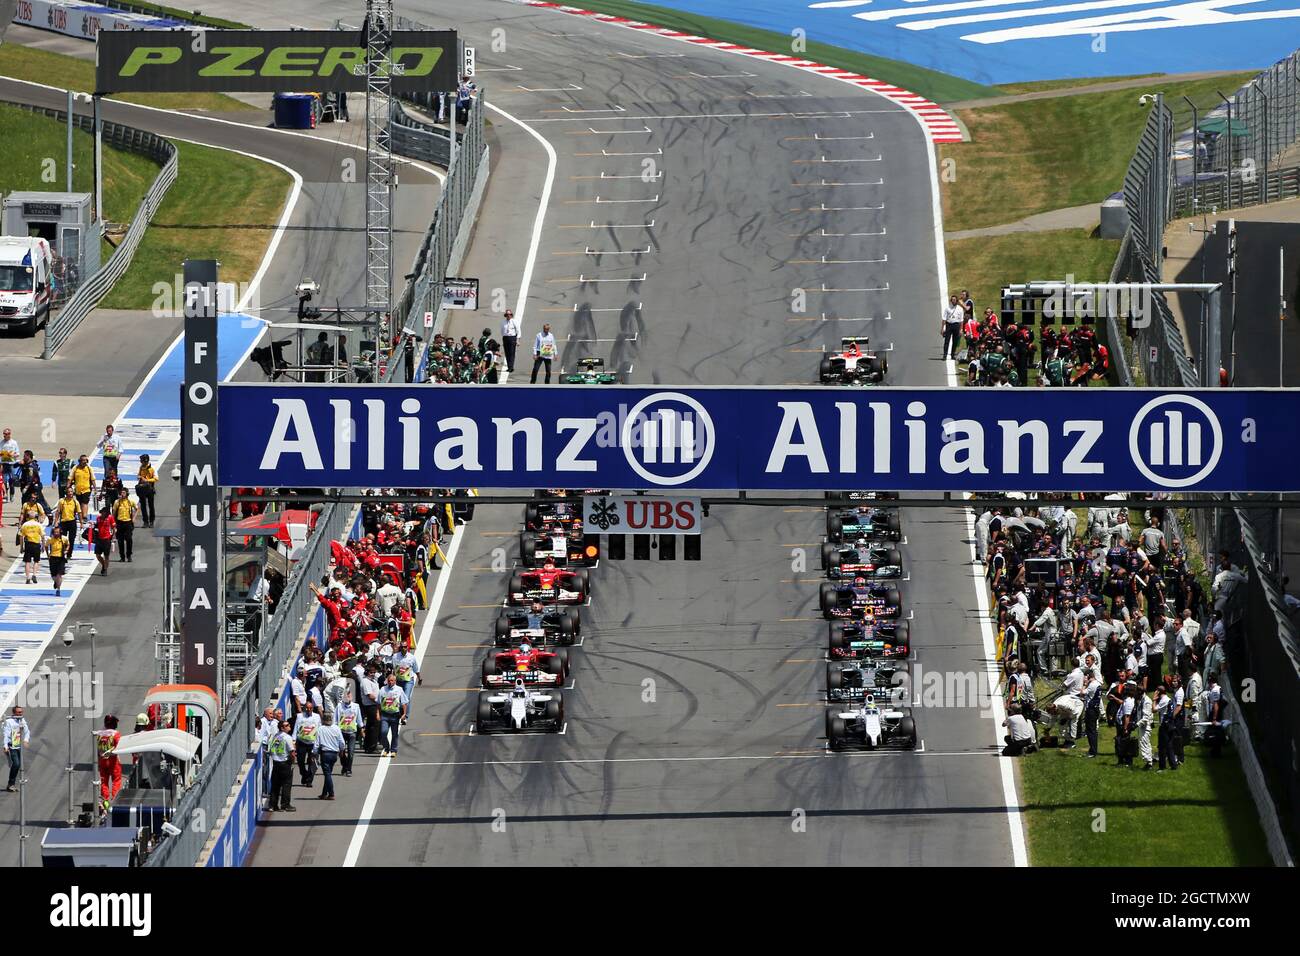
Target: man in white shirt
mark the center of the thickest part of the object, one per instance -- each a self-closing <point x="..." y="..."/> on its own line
<point x="17" y="735"/>
<point x="1069" y="706"/>
<point x="388" y="597"/>
<point x="348" y="719"/>
<point x="544" y="350"/>
<point x="1228" y="578"/>
<point x="370" y="709"/>
<point x="1020" y="733"/>
<point x="950" y="328"/>
<point x="509" y="339"/>
<point x="304" y="735"/>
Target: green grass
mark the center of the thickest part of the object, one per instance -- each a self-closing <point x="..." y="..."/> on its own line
<point x="238" y="201"/>
<point x="180" y="13"/>
<point x="35" y="144"/>
<point x="70" y="72"/>
<point x="1039" y="155"/>
<point x="929" y="83"/>
<point x="1200" y="815"/>
<point x="1042" y="86"/>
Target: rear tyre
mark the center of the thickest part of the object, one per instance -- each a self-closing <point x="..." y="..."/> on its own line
<point x="834" y="677"/>
<point x="824" y="370"/>
<point x="484" y="711"/>
<point x="828" y="556"/>
<point x="516" y="583"/>
<point x="502" y="631"/>
<point x="489" y="668"/>
<point x="835" y="730"/>
<point x="895" y="557"/>
<point x="530" y="515"/>
<point x="834" y="526"/>
<point x="555" y="709"/>
<point x="528" y="549"/>
<point x="837" y="639"/>
<point x="827" y="598"/>
<point x="568" y="628"/>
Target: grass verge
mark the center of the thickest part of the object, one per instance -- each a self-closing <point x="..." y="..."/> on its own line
<point x="236" y="199"/>
<point x="35" y="158"/>
<point x="937" y="86"/>
<point x="1039" y="155"/>
<point x="1082" y="812"/>
<point x="70" y="72"/>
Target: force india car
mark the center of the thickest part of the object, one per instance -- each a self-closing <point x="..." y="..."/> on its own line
<point x="847" y="600"/>
<point x="526" y="663"/>
<point x="861" y="559"/>
<point x="868" y="726"/>
<point x="854" y="364"/>
<point x="590" y="371"/>
<point x="871" y="524"/>
<point x="520" y="710"/>
<point x="869" y="638"/>
<point x="549" y="585"/>
<point x="564" y="544"/>
<point x="555" y="625"/>
<point x="854" y="680"/>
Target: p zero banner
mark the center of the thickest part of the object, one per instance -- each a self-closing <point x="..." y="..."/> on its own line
<point x="268" y="61"/>
<point x="633" y="437"/>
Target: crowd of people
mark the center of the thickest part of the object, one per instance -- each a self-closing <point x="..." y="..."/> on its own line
<point x="1007" y="355"/>
<point x="351" y="689"/>
<point x="1115" y="615"/>
<point x="101" y="512"/>
<point x="464" y="362"/>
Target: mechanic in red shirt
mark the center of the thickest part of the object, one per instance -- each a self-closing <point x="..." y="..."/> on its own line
<point x="110" y="767"/>
<point x="333" y="611"/>
<point x="101" y="534"/>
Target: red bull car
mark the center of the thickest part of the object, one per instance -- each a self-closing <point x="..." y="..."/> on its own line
<point x="535" y="667"/>
<point x="550" y="585"/>
<point x="860" y="598"/>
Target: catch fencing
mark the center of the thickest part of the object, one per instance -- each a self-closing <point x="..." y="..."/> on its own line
<point x="92" y="291"/>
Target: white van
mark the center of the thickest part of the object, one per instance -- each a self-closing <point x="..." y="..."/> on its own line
<point x="26" y="283"/>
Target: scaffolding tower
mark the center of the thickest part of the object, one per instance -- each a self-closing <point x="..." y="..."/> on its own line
<point x="379" y="173"/>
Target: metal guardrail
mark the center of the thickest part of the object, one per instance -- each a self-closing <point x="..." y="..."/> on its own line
<point x="200" y="808"/>
<point x="92" y="290"/>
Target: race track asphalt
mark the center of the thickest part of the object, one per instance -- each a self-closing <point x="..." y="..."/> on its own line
<point x="695" y="725"/>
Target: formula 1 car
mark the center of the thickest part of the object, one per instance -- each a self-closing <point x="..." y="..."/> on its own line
<point x="549" y="585"/>
<point x="865" y="522"/>
<point x="539" y="514"/>
<point x="854" y="364"/>
<point x="861" y="559"/>
<point x="526" y="663"/>
<point x="854" y="680"/>
<point x="563" y="544"/>
<point x="590" y="371"/>
<point x="869" y="638"/>
<point x="869" y="726"/>
<point x="854" y="600"/>
<point x="520" y="710"/>
<point x="555" y="625"/>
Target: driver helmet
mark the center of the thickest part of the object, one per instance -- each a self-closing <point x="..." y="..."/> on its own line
<point x="549" y="563"/>
<point x="859" y="582"/>
<point x="525" y="648"/>
<point x="519" y="690"/>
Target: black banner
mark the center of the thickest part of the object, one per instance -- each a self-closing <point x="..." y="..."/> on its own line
<point x="267" y="61"/>
<point x="201" y="590"/>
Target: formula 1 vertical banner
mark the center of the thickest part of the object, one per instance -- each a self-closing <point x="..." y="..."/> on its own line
<point x="201" y="562"/>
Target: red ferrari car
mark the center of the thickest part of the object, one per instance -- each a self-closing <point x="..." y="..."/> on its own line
<point x="550" y="585"/>
<point x="533" y="665"/>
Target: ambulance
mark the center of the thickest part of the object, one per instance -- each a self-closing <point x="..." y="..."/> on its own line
<point x="26" y="282"/>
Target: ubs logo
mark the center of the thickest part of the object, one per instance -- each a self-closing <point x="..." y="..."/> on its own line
<point x="667" y="438"/>
<point x="1175" y="440"/>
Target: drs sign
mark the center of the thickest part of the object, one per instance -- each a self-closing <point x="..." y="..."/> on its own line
<point x="641" y="514"/>
<point x="632" y="438"/>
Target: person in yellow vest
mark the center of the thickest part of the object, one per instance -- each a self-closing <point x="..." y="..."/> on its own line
<point x="57" y="546"/>
<point x="66" y="513"/>
<point x="83" y="484"/>
<point x="31" y="535"/>
<point x="32" y="508"/>
<point x="145" y="488"/>
<point x="124" y="513"/>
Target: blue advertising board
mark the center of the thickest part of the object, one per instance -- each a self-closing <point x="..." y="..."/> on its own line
<point x="789" y="439"/>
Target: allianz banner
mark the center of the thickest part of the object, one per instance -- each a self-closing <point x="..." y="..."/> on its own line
<point x="267" y="61"/>
<point x="633" y="437"/>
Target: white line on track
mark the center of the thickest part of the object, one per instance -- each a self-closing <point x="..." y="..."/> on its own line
<point x="819" y="755"/>
<point x="421" y="648"/>
<point x="521" y="301"/>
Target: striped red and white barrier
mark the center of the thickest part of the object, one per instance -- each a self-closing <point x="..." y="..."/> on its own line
<point x="938" y="123"/>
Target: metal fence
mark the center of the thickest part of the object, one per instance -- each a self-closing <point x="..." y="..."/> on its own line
<point x="200" y="808"/>
<point x="61" y="326"/>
